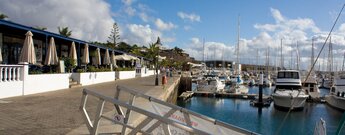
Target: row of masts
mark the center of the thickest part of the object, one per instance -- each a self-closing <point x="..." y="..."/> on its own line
<point x="329" y="61"/>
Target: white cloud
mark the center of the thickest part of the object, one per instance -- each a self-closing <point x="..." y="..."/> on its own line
<point x="187" y="28"/>
<point x="144" y="17"/>
<point x="161" y="25"/>
<point x="128" y="2"/>
<point x="277" y="16"/>
<point x="213" y="50"/>
<point x="130" y="11"/>
<point x="140" y="34"/>
<point x="80" y="16"/>
<point x="191" y="17"/>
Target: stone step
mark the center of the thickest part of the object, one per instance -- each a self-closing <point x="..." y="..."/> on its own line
<point x="74" y="85"/>
<point x="72" y="82"/>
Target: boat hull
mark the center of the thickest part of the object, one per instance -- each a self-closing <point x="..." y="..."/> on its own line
<point x="287" y="102"/>
<point x="336" y="102"/>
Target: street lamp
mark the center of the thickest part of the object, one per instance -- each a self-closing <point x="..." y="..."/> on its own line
<point x="157" y="44"/>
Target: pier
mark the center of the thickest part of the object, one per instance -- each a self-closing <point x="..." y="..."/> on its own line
<point x="224" y="95"/>
<point x="57" y="112"/>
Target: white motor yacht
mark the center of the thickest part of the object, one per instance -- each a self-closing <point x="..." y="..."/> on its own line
<point x="211" y="85"/>
<point x="336" y="97"/>
<point x="288" y="93"/>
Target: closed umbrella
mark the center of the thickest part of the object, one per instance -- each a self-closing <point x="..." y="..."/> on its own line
<point x="73" y="54"/>
<point x="112" y="59"/>
<point x="86" y="58"/>
<point x="0" y="55"/>
<point x="106" y="60"/>
<point x="97" y="61"/>
<point x="28" y="51"/>
<point x="122" y="57"/>
<point x="51" y="56"/>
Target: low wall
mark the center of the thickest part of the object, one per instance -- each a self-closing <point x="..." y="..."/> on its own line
<point x="125" y="74"/>
<point x="11" y="89"/>
<point x="45" y="82"/>
<point x="93" y="77"/>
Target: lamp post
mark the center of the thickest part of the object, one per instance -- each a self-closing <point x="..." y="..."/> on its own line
<point x="157" y="44"/>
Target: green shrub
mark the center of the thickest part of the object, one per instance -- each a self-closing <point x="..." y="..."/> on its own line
<point x="69" y="63"/>
<point x="125" y="69"/>
<point x="95" y="69"/>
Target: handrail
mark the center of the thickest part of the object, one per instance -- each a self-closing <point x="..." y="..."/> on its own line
<point x="93" y="127"/>
<point x="153" y="120"/>
<point x="216" y="122"/>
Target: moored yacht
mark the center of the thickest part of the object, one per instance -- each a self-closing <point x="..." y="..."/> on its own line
<point x="311" y="87"/>
<point x="211" y="84"/>
<point x="336" y="97"/>
<point x="288" y="93"/>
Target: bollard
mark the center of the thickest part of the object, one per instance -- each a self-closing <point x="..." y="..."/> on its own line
<point x="260" y="88"/>
<point x="164" y="80"/>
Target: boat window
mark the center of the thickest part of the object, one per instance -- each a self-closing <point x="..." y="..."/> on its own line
<point x="288" y="87"/>
<point x="311" y="89"/>
<point x="333" y="89"/>
<point x="293" y="75"/>
<point x="281" y="75"/>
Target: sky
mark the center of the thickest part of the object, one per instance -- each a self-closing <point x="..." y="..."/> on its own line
<point x="187" y="23"/>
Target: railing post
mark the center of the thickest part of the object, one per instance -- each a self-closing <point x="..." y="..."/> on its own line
<point x="5" y="74"/>
<point x="9" y="74"/>
<point x="1" y="68"/>
<point x="18" y="74"/>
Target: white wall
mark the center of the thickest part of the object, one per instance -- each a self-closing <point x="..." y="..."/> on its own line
<point x="125" y="74"/>
<point x="11" y="89"/>
<point x="45" y="82"/>
<point x="93" y="77"/>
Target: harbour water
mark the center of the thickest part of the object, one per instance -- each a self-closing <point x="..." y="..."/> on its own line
<point x="267" y="120"/>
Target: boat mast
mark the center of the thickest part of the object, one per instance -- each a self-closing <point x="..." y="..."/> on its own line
<point x="312" y="54"/>
<point x="281" y="54"/>
<point x="257" y="60"/>
<point x="238" y="44"/>
<point x="342" y="68"/>
<point x="298" y="57"/>
<point x="330" y="56"/>
<point x="203" y="46"/>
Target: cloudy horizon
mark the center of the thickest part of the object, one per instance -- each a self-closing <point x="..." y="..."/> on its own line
<point x="188" y="24"/>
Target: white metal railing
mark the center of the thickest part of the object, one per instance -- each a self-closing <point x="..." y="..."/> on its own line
<point x="173" y="120"/>
<point x="10" y="73"/>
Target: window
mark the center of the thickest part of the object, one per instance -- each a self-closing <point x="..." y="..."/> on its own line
<point x="293" y="75"/>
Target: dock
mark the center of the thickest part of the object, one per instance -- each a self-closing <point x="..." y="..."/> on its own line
<point x="224" y="95"/>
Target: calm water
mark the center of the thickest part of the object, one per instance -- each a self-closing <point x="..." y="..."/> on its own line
<point x="239" y="112"/>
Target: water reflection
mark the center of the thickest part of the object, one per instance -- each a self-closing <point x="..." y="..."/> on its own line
<point x="266" y="120"/>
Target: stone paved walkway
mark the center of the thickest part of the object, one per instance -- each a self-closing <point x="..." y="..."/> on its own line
<point x="58" y="112"/>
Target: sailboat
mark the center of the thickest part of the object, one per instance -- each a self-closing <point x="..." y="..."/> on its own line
<point x="327" y="81"/>
<point x="267" y="80"/>
<point x="238" y="86"/>
<point x="310" y="85"/>
<point x="336" y="97"/>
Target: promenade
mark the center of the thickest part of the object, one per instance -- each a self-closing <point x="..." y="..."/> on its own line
<point x="58" y="112"/>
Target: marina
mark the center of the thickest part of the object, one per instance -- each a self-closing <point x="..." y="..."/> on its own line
<point x="267" y="119"/>
<point x="137" y="67"/>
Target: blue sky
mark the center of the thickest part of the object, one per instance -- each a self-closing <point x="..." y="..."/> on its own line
<point x="184" y="23"/>
<point x="219" y="18"/>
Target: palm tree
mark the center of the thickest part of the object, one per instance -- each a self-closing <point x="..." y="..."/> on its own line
<point x="153" y="52"/>
<point x="3" y="16"/>
<point x="64" y="31"/>
<point x="41" y="28"/>
<point x="137" y="52"/>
